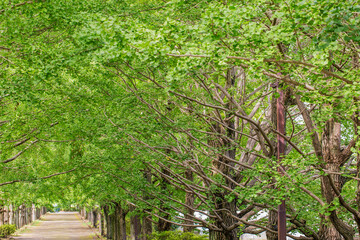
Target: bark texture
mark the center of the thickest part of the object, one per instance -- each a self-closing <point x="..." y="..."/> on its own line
<point x="334" y="157"/>
<point x="189" y="201"/>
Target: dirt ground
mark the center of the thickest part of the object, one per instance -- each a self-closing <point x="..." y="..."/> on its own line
<point x="62" y="225"/>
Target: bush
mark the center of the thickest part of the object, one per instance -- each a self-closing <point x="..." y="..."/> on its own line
<point x="177" y="235"/>
<point x="7" y="230"/>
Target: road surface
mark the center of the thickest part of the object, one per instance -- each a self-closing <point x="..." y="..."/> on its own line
<point x="62" y="225"/>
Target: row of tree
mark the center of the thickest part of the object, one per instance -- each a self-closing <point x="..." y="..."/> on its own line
<point x="167" y="109"/>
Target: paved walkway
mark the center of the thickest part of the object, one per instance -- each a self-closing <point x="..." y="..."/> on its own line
<point x="62" y="225"/>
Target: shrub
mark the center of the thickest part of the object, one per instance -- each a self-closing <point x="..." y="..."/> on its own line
<point x="177" y="235"/>
<point x="7" y="230"/>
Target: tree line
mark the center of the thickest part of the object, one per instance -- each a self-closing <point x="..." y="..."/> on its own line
<point x="165" y="111"/>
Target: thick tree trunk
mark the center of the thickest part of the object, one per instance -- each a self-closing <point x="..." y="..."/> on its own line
<point x="272" y="224"/>
<point x="356" y="120"/>
<point x="109" y="223"/>
<point x="120" y="225"/>
<point x="228" y="220"/>
<point x="225" y="209"/>
<point x="334" y="158"/>
<point x="146" y="227"/>
<point x="135" y="225"/>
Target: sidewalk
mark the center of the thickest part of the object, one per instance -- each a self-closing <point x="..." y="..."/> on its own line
<point x="62" y="225"/>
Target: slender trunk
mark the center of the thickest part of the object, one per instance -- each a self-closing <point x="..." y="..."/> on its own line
<point x="1" y="215"/>
<point x="273" y="216"/>
<point x="33" y="212"/>
<point x="6" y="215"/>
<point x="43" y="210"/>
<point x="38" y="213"/>
<point x="23" y="215"/>
<point x="101" y="223"/>
<point x="89" y="216"/>
<point x="146" y="226"/>
<point x="17" y="218"/>
<point x="11" y="214"/>
<point x="163" y="223"/>
<point x="189" y="201"/>
<point x="94" y="218"/>
<point x="28" y="215"/>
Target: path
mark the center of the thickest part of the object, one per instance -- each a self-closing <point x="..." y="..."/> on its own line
<point x="62" y="225"/>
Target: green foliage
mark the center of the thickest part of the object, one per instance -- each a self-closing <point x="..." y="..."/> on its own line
<point x="7" y="229"/>
<point x="176" y="235"/>
<point x="111" y="88"/>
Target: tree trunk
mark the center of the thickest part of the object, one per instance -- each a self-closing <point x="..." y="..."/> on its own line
<point x="101" y="224"/>
<point x="163" y="224"/>
<point x="224" y="208"/>
<point x="23" y="215"/>
<point x="11" y="214"/>
<point x="146" y="228"/>
<point x="94" y="218"/>
<point x="189" y="201"/>
<point x="120" y="228"/>
<point x="135" y="225"/>
<point x="228" y="220"/>
<point x="109" y="223"/>
<point x="89" y="216"/>
<point x="43" y="210"/>
<point x="6" y="215"/>
<point x="17" y="218"/>
<point x="1" y="215"/>
<point x="272" y="218"/>
<point x="334" y="158"/>
<point x="38" y="213"/>
<point x="33" y="212"/>
<point x="272" y="224"/>
<point x="356" y="120"/>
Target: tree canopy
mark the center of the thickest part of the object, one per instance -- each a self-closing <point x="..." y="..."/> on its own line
<point x="167" y="109"/>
